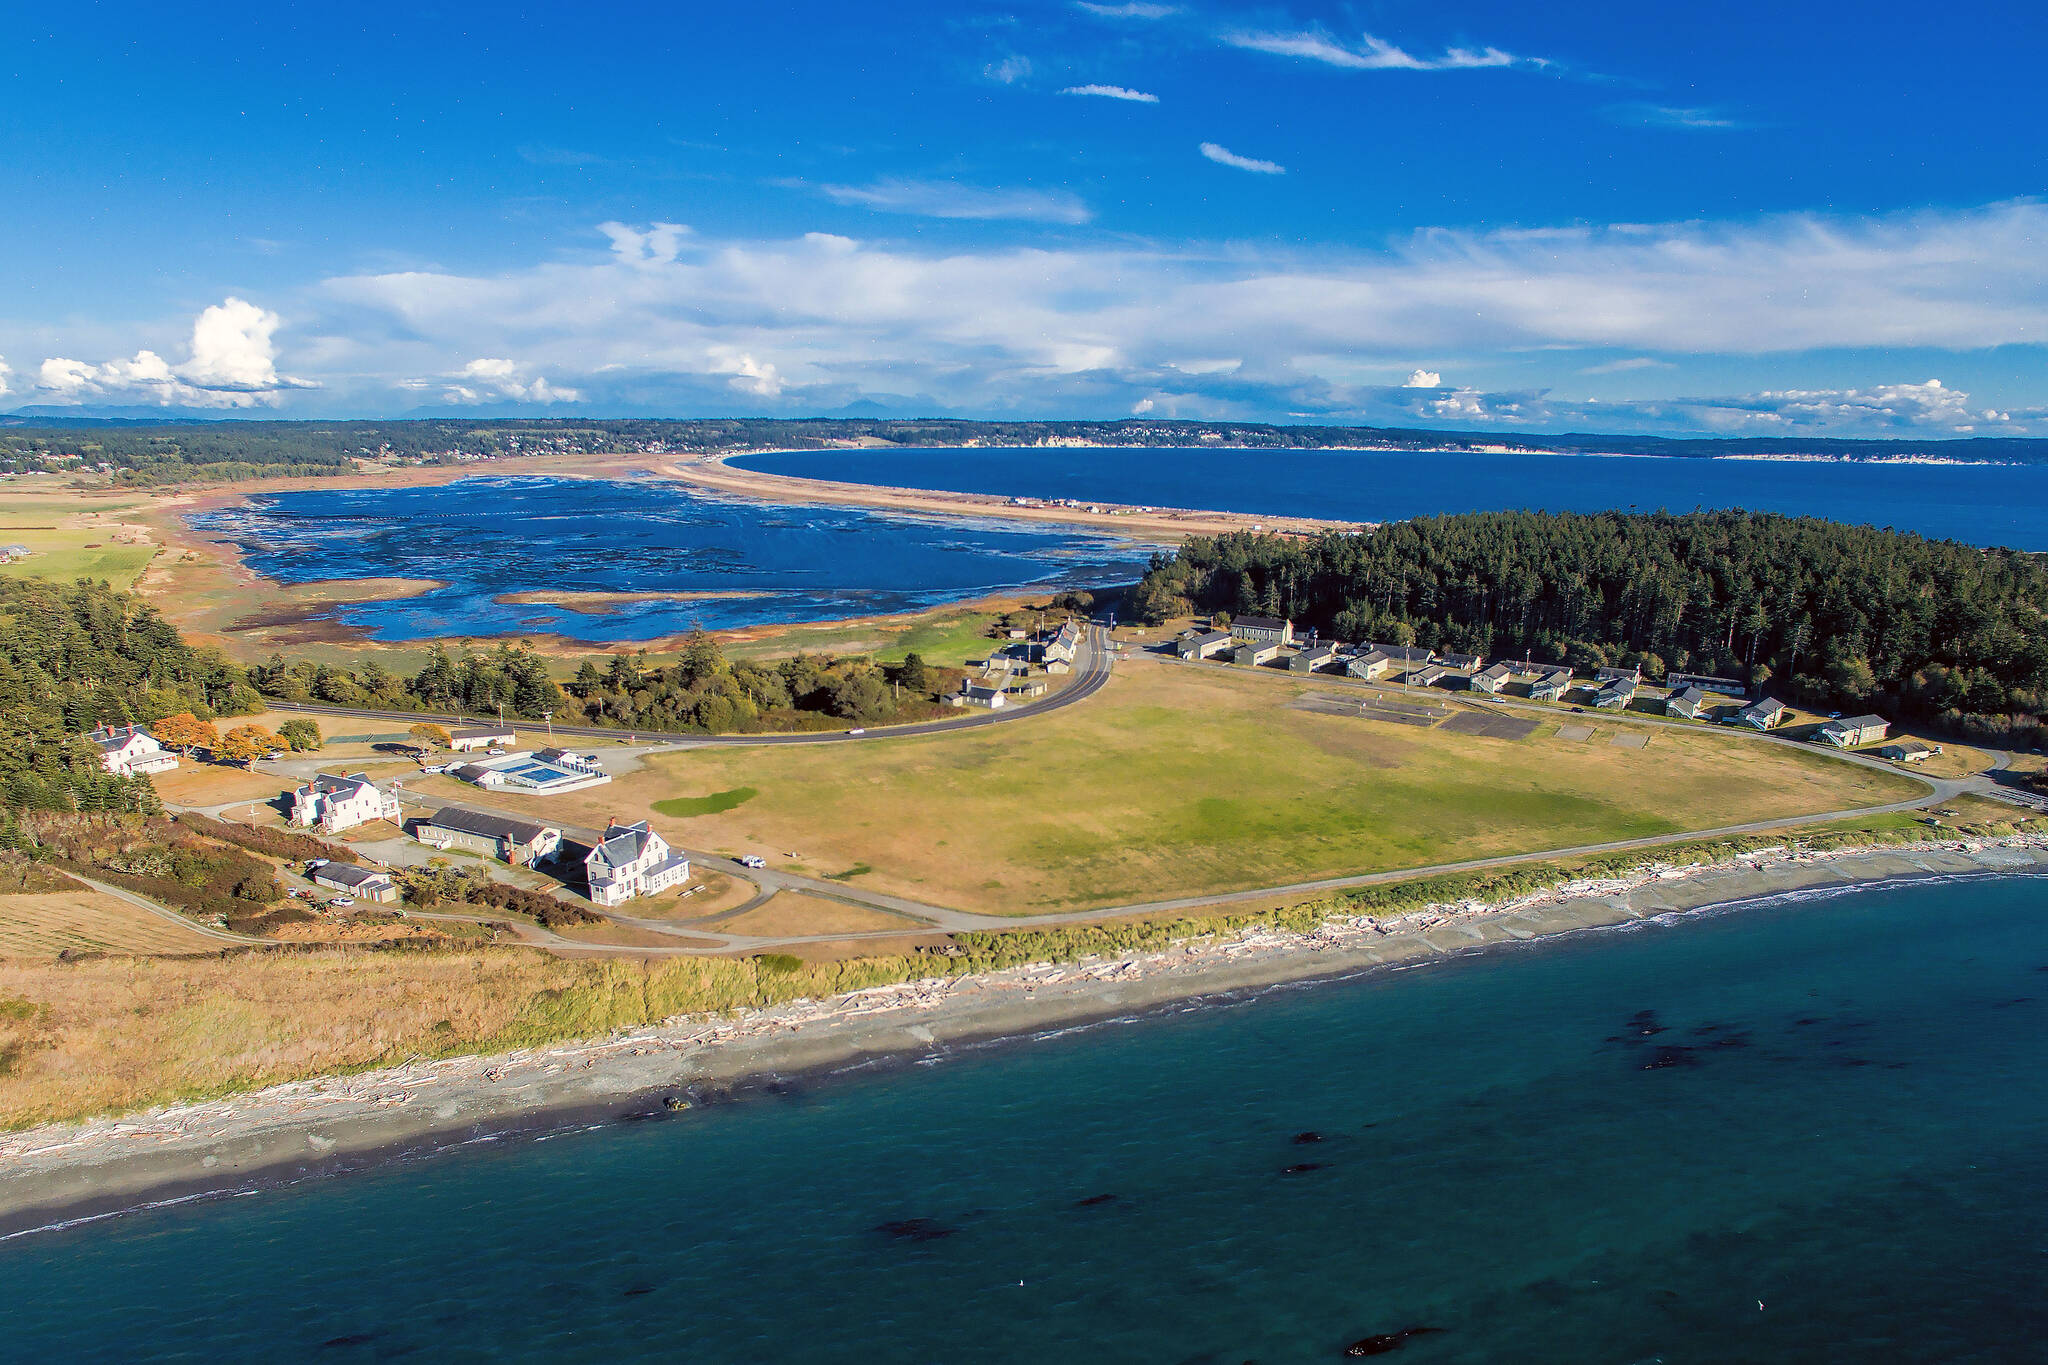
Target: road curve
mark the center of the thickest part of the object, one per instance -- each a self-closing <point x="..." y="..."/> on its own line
<point x="1091" y="672"/>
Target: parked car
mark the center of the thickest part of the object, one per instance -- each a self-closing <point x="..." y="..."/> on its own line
<point x="753" y="860"/>
<point x="315" y="864"/>
<point x="342" y="902"/>
<point x="273" y="755"/>
<point x="495" y="751"/>
<point x="434" y="769"/>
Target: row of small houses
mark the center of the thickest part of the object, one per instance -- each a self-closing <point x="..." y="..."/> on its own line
<point x="1006" y="674"/>
<point x="1257" y="640"/>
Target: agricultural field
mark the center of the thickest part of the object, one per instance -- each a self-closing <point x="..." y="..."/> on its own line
<point x="71" y="535"/>
<point x="1178" y="781"/>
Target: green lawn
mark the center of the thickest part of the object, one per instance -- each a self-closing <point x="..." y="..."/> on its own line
<point x="1179" y="781"/>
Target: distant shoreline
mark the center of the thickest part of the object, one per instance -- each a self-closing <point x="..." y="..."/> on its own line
<point x="60" y="1175"/>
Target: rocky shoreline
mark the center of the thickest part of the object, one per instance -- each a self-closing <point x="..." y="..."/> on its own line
<point x="60" y="1174"/>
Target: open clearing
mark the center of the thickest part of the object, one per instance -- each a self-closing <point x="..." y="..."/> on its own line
<point x="1177" y="781"/>
<point x="793" y="913"/>
<point x="48" y="923"/>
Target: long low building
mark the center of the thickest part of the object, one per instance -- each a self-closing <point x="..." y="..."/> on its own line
<point x="522" y="842"/>
<point x="1314" y="658"/>
<point x="353" y="879"/>
<point x="1204" y="645"/>
<point x="1252" y="653"/>
<point x="1706" y="682"/>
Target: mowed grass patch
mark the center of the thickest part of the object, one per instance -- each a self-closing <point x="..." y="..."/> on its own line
<point x="46" y="924"/>
<point x="717" y="803"/>
<point x="1175" y="781"/>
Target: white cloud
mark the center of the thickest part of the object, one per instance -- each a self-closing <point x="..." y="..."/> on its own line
<point x="748" y="374"/>
<point x="1112" y="92"/>
<point x="1370" y="53"/>
<point x="492" y="377"/>
<point x="1223" y="156"/>
<point x="232" y="364"/>
<point x="5" y="371"/>
<point x="1640" y="362"/>
<point x="1142" y="406"/>
<point x="657" y="244"/>
<point x="1009" y="71"/>
<point x="1675" y="116"/>
<point x="1136" y="9"/>
<point x="1423" y="379"/>
<point x="1101" y="326"/>
<point x="944" y="199"/>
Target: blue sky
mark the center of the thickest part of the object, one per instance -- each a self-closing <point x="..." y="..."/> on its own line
<point x="1744" y="218"/>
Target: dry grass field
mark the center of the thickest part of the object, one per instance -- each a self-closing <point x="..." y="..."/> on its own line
<point x="1177" y="781"/>
<point x="792" y="914"/>
<point x="46" y="924"/>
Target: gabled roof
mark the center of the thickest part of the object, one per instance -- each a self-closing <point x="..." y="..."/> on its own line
<point x="1692" y="696"/>
<point x="335" y="784"/>
<point x="487" y="826"/>
<point x="1768" y="706"/>
<point x="622" y="844"/>
<point x="111" y="738"/>
<point x="1497" y="673"/>
<point x="1863" y="722"/>
<point x="481" y="732"/>
<point x="351" y="874"/>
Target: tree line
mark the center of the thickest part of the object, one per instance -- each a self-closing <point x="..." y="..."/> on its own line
<point x="77" y="656"/>
<point x="183" y="451"/>
<point x="703" y="690"/>
<point x="1831" y="614"/>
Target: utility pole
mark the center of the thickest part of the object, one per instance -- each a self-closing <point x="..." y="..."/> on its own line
<point x="548" y="718"/>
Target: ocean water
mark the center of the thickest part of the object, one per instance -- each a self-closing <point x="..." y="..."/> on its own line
<point x="1809" y="1129"/>
<point x="744" y="563"/>
<point x="1977" y="504"/>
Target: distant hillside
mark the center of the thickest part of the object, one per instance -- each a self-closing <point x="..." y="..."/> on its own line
<point x="183" y="451"/>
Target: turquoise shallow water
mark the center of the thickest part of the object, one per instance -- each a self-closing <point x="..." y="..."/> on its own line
<point x="1841" y="1158"/>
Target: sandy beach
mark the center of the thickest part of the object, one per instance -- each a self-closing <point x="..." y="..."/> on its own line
<point x="61" y="1173"/>
<point x="714" y="474"/>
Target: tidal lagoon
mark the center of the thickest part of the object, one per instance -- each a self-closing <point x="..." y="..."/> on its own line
<point x="522" y="556"/>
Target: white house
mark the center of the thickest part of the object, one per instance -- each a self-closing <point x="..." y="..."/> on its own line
<point x="1552" y="685"/>
<point x="976" y="694"/>
<point x="1313" y="658"/>
<point x="1617" y="694"/>
<point x="1202" y="646"/>
<point x="337" y="803"/>
<point x="1372" y="664"/>
<point x="1764" y="715"/>
<point x="1491" y="679"/>
<point x="1064" y="644"/>
<point x="1854" y="730"/>
<point x="129" y="749"/>
<point x="479" y="737"/>
<point x="364" y="883"/>
<point x="1689" y="703"/>
<point x="1254" y="653"/>
<point x="632" y="860"/>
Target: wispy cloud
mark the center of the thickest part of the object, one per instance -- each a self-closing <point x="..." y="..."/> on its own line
<point x="1223" y="156"/>
<point x="1639" y="362"/>
<point x="1676" y="116"/>
<point x="946" y="199"/>
<point x="494" y="377"/>
<point x="1136" y="9"/>
<point x="1011" y="70"/>
<point x="1112" y="92"/>
<point x="1370" y="53"/>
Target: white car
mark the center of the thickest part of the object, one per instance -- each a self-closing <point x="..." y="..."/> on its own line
<point x="753" y="860"/>
<point x="495" y="752"/>
<point x="434" y="770"/>
<point x="314" y="864"/>
<point x="856" y="730"/>
<point x="342" y="902"/>
<point x="273" y="755"/>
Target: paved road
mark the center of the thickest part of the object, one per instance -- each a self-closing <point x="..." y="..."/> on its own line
<point x="1092" y="669"/>
<point x="1094" y="672"/>
<point x="165" y="913"/>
